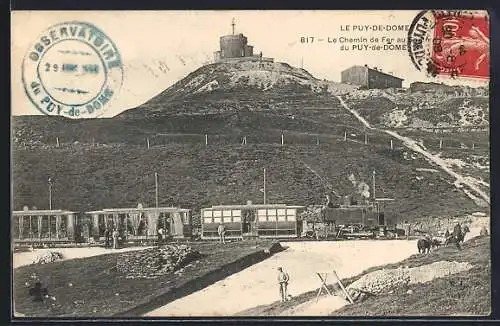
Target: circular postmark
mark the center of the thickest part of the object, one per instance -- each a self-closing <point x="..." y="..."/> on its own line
<point x="72" y="69"/>
<point x="453" y="43"/>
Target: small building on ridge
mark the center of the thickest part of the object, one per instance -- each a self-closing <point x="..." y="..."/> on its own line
<point x="370" y="78"/>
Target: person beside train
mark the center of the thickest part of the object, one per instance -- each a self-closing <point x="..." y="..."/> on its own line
<point x="160" y="235"/>
<point x="329" y="203"/>
<point x="115" y="235"/>
<point x="107" y="236"/>
<point x="221" y="230"/>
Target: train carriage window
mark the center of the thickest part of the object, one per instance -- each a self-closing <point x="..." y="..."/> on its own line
<point x="226" y="213"/>
<point x="291" y="211"/>
<point x="261" y="212"/>
<point x="185" y="218"/>
<point x="62" y="227"/>
<point x="45" y="227"/>
<point x="271" y="212"/>
<point x="34" y="225"/>
<point x="207" y="213"/>
<point x="52" y="226"/>
<point x="15" y="229"/>
<point x="281" y="215"/>
<point x="291" y="217"/>
<point x="26" y="227"/>
<point x="236" y="216"/>
<point x="217" y="216"/>
<point x="207" y="220"/>
<point x="129" y="226"/>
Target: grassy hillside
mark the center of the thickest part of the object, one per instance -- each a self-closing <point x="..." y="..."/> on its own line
<point x="235" y="120"/>
<point x="195" y="176"/>
<point x="463" y="294"/>
<point x="93" y="287"/>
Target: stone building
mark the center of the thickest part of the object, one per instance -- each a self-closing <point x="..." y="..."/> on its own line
<point x="370" y="78"/>
<point x="235" y="46"/>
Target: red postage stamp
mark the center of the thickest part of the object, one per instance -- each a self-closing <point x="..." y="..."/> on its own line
<point x="451" y="42"/>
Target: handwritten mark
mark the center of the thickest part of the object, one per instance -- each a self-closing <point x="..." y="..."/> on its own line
<point x="74" y="52"/>
<point x="71" y="90"/>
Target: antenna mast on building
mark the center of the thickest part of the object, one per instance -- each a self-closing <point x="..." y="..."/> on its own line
<point x="232" y="24"/>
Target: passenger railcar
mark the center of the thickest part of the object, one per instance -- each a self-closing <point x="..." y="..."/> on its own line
<point x="251" y="221"/>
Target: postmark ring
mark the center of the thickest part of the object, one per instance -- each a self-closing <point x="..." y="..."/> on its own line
<point x="73" y="69"/>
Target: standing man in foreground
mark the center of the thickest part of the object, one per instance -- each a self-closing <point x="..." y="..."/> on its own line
<point x="283" y="279"/>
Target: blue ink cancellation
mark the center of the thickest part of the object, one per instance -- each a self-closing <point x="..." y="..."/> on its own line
<point x="73" y="69"/>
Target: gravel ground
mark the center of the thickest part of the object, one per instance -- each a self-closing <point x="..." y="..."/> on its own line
<point x="257" y="285"/>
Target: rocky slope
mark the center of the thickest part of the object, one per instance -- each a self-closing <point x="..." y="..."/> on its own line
<point x="417" y="110"/>
<point x="222" y="87"/>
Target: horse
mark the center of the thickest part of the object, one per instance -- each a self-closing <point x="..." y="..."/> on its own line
<point x="423" y="245"/>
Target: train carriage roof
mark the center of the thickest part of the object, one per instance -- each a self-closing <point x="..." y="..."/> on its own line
<point x="253" y="206"/>
<point x="42" y="212"/>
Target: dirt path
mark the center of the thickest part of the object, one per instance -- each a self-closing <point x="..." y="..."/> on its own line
<point x="257" y="285"/>
<point x="414" y="146"/>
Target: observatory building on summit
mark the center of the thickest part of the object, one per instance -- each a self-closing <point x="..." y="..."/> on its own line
<point x="235" y="46"/>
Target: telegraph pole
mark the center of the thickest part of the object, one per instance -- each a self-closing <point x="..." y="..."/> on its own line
<point x="373" y="185"/>
<point x="156" y="189"/>
<point x="264" y="186"/>
<point x="50" y="193"/>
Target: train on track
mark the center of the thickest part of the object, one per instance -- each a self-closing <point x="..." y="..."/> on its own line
<point x="247" y="221"/>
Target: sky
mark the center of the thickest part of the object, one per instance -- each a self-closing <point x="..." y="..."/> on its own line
<point x="159" y="48"/>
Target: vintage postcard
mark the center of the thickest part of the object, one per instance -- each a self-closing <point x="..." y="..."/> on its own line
<point x="250" y="163"/>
